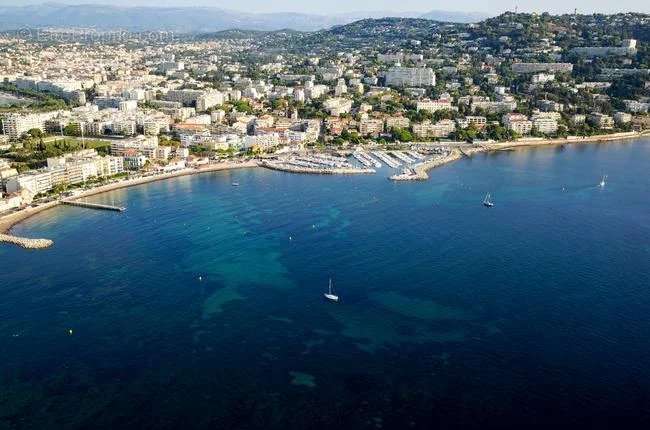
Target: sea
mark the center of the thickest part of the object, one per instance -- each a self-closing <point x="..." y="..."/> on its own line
<point x="201" y="306"/>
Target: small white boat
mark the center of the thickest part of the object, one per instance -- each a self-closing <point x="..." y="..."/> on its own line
<point x="330" y="294"/>
<point x="487" y="201"/>
<point x="603" y="182"/>
<point x="235" y="184"/>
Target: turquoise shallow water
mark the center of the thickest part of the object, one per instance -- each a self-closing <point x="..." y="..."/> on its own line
<point x="201" y="305"/>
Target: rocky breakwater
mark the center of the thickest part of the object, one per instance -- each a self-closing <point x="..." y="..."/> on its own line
<point x="26" y="242"/>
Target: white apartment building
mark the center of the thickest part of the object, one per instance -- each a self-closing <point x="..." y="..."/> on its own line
<point x="601" y="121"/>
<point x="145" y="145"/>
<point x="186" y="97"/>
<point x="478" y="122"/>
<point x="35" y="182"/>
<point x="622" y="118"/>
<point x="397" y="122"/>
<point x="628" y="47"/>
<point x="80" y="171"/>
<point x="162" y="152"/>
<point x="545" y="122"/>
<point x="522" y="68"/>
<point x="209" y="99"/>
<point x="16" y="124"/>
<point x="442" y="128"/>
<point x="443" y="103"/>
<point x="135" y="161"/>
<point x="337" y="106"/>
<point x="371" y="127"/>
<point x="542" y="78"/>
<point x="518" y="123"/>
<point x="262" y="141"/>
<point x="410" y="77"/>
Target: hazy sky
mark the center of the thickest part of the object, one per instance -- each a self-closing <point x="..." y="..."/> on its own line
<point x="338" y="6"/>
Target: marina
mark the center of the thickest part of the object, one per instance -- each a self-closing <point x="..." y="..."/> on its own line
<point x="403" y="157"/>
<point x="365" y="159"/>
<point x="390" y="161"/>
<point x="315" y="164"/>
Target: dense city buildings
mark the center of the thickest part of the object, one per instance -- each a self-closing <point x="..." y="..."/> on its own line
<point x="165" y="104"/>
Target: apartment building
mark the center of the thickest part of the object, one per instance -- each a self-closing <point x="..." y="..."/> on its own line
<point x="442" y="128"/>
<point x="15" y="125"/>
<point x="628" y="47"/>
<point x="337" y="106"/>
<point x="524" y="68"/>
<point x="546" y="122"/>
<point x="410" y="77"/>
<point x="371" y="127"/>
<point x="443" y="103"/>
<point x="601" y="121"/>
<point x="479" y="122"/>
<point x="518" y="123"/>
<point x="397" y="122"/>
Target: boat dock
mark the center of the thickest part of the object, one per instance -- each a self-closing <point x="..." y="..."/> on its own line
<point x="93" y="205"/>
<point x="365" y="159"/>
<point x="403" y="157"/>
<point x="300" y="166"/>
<point x="390" y="161"/>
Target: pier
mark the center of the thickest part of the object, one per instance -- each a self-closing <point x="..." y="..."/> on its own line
<point x="365" y="159"/>
<point x="93" y="205"/>
<point x="390" y="161"/>
<point x="403" y="157"/>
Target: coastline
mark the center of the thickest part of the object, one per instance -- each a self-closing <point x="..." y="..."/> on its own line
<point x="10" y="220"/>
<point x="421" y="171"/>
<point x="601" y="138"/>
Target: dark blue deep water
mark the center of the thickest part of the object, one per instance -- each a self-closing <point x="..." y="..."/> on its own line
<point x="201" y="305"/>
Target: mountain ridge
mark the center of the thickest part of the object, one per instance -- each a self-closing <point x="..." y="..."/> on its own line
<point x="188" y="19"/>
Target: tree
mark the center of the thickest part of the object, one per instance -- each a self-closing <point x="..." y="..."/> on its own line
<point x="72" y="130"/>
<point x="402" y="135"/>
<point x="36" y="133"/>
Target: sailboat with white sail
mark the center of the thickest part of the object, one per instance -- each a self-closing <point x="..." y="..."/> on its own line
<point x="603" y="182"/>
<point x="487" y="201"/>
<point x="330" y="294"/>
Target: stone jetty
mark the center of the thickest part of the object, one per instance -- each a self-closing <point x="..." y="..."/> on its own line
<point x="25" y="242"/>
